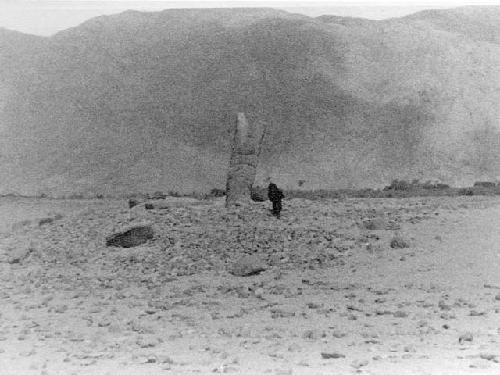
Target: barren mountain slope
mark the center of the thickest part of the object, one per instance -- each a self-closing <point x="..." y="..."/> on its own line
<point x="146" y="101"/>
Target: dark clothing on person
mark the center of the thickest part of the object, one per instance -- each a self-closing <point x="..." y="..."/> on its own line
<point x="275" y="195"/>
<point x="277" y="208"/>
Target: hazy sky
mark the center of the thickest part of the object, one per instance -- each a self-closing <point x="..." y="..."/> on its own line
<point x="45" y="17"/>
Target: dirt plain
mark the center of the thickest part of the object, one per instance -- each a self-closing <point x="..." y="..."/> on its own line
<point x="335" y="297"/>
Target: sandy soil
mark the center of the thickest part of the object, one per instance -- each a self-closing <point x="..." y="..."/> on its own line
<point x="335" y="297"/>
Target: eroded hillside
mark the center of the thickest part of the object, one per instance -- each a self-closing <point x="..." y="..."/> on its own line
<point x="146" y="101"/>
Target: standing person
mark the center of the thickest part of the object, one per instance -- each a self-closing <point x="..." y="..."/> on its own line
<point x="275" y="195"/>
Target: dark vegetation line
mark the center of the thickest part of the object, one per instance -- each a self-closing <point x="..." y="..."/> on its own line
<point x="397" y="189"/>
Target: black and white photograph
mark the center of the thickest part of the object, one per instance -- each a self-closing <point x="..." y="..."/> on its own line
<point x="251" y="187"/>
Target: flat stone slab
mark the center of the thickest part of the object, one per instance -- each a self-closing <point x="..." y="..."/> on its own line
<point x="131" y="237"/>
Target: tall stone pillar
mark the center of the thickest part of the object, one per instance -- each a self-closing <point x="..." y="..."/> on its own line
<point x="243" y="162"/>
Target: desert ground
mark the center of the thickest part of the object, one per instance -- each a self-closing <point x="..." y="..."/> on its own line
<point x="345" y="286"/>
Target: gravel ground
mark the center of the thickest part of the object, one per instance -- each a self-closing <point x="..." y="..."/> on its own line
<point x="368" y="286"/>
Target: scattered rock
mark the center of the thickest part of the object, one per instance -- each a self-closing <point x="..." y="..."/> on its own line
<point x="479" y="365"/>
<point x="19" y="254"/>
<point x="247" y="265"/>
<point x="375" y="224"/>
<point x="294" y="348"/>
<point x="104" y="323"/>
<point x="490" y="357"/>
<point x="147" y="342"/>
<point x="61" y="309"/>
<point x="443" y="305"/>
<point x="398" y="242"/>
<point x="49" y="220"/>
<point x="165" y="359"/>
<point x="400" y="314"/>
<point x="359" y="363"/>
<point x="258" y="195"/>
<point x="338" y="334"/>
<point x="332" y="355"/>
<point x="259" y="293"/>
<point x="131" y="237"/>
<point x="311" y="334"/>
<point x="409" y="349"/>
<point x="465" y="337"/>
<point x="477" y="313"/>
<point x="447" y="316"/>
<point x="491" y="286"/>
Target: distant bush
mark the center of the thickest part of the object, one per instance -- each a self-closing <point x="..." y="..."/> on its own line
<point x="400" y="185"/>
<point x="466" y="191"/>
<point x="397" y="189"/>
<point x="313" y="194"/>
<point x="403" y="185"/>
<point x="484" y="184"/>
<point x="174" y="194"/>
<point x="198" y="195"/>
<point x="427" y="185"/>
<point x="441" y="186"/>
<point x="159" y="195"/>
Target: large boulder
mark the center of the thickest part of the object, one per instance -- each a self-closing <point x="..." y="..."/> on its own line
<point x="132" y="203"/>
<point x="258" y="194"/>
<point x="131" y="236"/>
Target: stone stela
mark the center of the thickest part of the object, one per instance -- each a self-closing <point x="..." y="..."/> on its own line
<point x="243" y="161"/>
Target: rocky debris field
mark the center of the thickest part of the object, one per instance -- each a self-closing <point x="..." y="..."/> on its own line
<point x="367" y="286"/>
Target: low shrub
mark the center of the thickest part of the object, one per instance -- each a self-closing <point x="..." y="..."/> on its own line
<point x="398" y="242"/>
<point x="442" y="186"/>
<point x="466" y="191"/>
<point x="216" y="193"/>
<point x="400" y="185"/>
<point x="159" y="195"/>
<point x="484" y="184"/>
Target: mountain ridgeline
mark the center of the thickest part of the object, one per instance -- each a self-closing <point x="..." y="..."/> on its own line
<point x="139" y="102"/>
